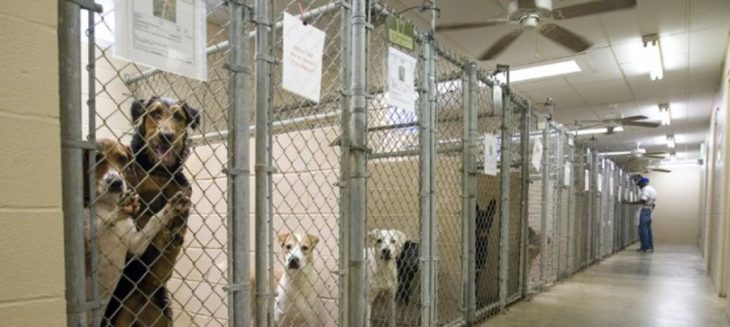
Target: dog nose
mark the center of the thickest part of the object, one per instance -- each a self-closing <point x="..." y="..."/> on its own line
<point x="167" y="136"/>
<point x="115" y="184"/>
<point x="386" y="253"/>
<point x="294" y="263"/>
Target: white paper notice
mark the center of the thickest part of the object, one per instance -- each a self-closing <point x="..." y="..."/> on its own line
<point x="401" y="87"/>
<point x="169" y="35"/>
<point x="600" y="183"/>
<point x="587" y="181"/>
<point x="490" y="154"/>
<point x="537" y="154"/>
<point x="302" y="62"/>
<point x="566" y="175"/>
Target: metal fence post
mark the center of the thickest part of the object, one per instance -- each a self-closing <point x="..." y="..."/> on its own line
<point x="425" y="181"/>
<point x="345" y="79"/>
<point x="239" y="308"/>
<point x="263" y="61"/>
<point x="571" y="205"/>
<point x="525" y="203"/>
<point x="559" y="198"/>
<point x="506" y="166"/>
<point x="468" y="204"/>
<point x="544" y="200"/>
<point x="358" y="164"/>
<point x="69" y="70"/>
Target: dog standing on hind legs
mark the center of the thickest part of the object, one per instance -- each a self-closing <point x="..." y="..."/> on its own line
<point x="384" y="246"/>
<point x="160" y="145"/>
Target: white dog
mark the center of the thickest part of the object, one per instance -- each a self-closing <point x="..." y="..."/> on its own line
<point x="384" y="246"/>
<point x="116" y="234"/>
<point x="297" y="304"/>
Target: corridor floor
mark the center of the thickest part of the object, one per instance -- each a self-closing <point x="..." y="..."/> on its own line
<point x="667" y="288"/>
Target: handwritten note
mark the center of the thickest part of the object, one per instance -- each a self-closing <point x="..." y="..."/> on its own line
<point x="302" y="58"/>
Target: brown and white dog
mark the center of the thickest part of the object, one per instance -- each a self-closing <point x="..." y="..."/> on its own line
<point x="384" y="246"/>
<point x="297" y="303"/>
<point x="160" y="145"/>
<point x="115" y="232"/>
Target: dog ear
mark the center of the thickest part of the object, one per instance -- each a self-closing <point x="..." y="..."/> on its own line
<point x="193" y="115"/>
<point x="372" y="235"/>
<point x="138" y="109"/>
<point x="313" y="239"/>
<point x="282" y="238"/>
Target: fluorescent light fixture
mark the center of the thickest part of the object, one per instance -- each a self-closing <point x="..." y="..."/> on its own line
<point x="601" y="130"/>
<point x="666" y="117"/>
<point x="542" y="71"/>
<point x="653" y="55"/>
<point x="670" y="142"/>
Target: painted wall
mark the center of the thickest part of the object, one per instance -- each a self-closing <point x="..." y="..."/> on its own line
<point x="677" y="211"/>
<point x="31" y="240"/>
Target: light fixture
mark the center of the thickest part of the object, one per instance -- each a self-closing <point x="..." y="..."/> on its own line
<point x="666" y="117"/>
<point x="542" y="71"/>
<point x="653" y="54"/>
<point x="673" y="157"/>
<point x="670" y="141"/>
<point x="602" y="130"/>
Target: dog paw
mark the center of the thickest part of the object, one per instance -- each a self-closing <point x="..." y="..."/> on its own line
<point x="179" y="204"/>
<point x="131" y="205"/>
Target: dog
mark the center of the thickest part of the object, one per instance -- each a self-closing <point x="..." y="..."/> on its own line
<point x="534" y="241"/>
<point x="160" y="145"/>
<point x="384" y="246"/>
<point x="296" y="302"/>
<point x="407" y="264"/>
<point x="114" y="206"/>
<point x="484" y="220"/>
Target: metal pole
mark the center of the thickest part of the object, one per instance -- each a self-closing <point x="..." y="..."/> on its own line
<point x="358" y="163"/>
<point x="239" y="308"/>
<point x="571" y="203"/>
<point x="425" y="187"/>
<point x="558" y="199"/>
<point x="468" y="202"/>
<point x="506" y="166"/>
<point x="525" y="200"/>
<point x="91" y="173"/>
<point x="432" y="222"/>
<point x="544" y="201"/>
<point x="345" y="77"/>
<point x="69" y="70"/>
<point x="262" y="166"/>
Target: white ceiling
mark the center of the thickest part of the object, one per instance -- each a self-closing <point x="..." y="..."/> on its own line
<point x="693" y="36"/>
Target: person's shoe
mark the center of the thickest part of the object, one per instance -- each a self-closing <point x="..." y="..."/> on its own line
<point x="650" y="251"/>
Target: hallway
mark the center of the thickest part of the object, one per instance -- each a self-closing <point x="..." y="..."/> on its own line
<point x="668" y="288"/>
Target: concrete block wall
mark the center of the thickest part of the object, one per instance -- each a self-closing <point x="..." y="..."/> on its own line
<point x="31" y="240"/>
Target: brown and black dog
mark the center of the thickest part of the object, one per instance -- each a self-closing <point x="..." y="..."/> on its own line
<point x="160" y="145"/>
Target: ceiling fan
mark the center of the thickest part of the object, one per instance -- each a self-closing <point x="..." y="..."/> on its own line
<point x="612" y="123"/>
<point x="636" y="153"/>
<point x="528" y="14"/>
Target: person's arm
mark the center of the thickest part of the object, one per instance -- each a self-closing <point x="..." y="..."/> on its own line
<point x="639" y="202"/>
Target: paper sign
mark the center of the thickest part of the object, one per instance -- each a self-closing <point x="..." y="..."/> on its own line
<point x="587" y="181"/>
<point x="566" y="175"/>
<point x="600" y="183"/>
<point x="610" y="186"/>
<point x="399" y="32"/>
<point x="401" y="87"/>
<point x="169" y="35"/>
<point x="302" y="58"/>
<point x="490" y="154"/>
<point x="536" y="154"/>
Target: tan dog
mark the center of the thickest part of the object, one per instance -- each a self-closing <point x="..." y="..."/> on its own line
<point x="297" y="303"/>
<point x="116" y="233"/>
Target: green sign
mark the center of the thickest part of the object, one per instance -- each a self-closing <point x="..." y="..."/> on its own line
<point x="399" y="32"/>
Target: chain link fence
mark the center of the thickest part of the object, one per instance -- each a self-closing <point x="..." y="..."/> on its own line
<point x="238" y="201"/>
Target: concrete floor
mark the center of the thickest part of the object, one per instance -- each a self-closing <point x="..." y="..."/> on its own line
<point x="667" y="288"/>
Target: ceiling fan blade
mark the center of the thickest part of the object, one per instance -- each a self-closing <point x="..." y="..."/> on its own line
<point x="501" y="45"/>
<point x="459" y="26"/>
<point x="592" y="8"/>
<point x="661" y="170"/>
<point x="565" y="37"/>
<point x="659" y="153"/>
<point x="652" y="124"/>
<point x="632" y="118"/>
<point x="654" y="156"/>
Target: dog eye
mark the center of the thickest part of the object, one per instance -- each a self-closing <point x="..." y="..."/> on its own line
<point x="379" y="241"/>
<point x="179" y="116"/>
<point x="305" y="248"/>
<point x="155" y="114"/>
<point x="288" y="246"/>
<point x="392" y="241"/>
